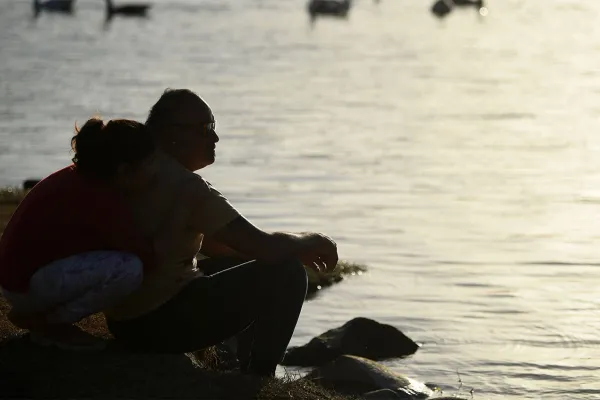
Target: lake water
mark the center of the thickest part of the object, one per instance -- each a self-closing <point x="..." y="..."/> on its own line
<point x="458" y="159"/>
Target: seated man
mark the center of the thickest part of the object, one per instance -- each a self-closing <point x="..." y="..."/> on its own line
<point x="178" y="308"/>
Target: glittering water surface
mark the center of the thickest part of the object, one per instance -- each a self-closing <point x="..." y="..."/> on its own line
<point x="459" y="159"/>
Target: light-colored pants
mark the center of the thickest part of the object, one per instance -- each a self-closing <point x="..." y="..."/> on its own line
<point x="75" y="287"/>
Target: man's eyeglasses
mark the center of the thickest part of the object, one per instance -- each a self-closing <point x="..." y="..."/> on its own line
<point x="208" y="127"/>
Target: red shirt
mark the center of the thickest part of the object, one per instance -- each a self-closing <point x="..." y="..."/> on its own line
<point x="63" y="215"/>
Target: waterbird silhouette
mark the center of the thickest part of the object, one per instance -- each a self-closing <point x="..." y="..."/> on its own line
<point x="56" y="6"/>
<point x="127" y="10"/>
<point x="441" y="8"/>
<point x="469" y="3"/>
<point x="334" y="8"/>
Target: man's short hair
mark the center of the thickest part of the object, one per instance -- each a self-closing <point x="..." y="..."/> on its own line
<point x="169" y="108"/>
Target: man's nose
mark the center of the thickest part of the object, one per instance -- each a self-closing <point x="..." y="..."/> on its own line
<point x="216" y="137"/>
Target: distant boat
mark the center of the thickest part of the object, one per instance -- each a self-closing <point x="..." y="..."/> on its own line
<point x="56" y="6"/>
<point x="127" y="10"/>
<point x="335" y="8"/>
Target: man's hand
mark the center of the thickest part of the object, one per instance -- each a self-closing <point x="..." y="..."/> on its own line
<point x="314" y="250"/>
<point x="321" y="253"/>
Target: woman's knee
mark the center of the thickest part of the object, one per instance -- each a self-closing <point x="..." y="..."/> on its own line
<point x="128" y="274"/>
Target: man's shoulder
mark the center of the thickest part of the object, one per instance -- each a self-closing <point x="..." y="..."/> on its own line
<point x="176" y="176"/>
<point x="197" y="187"/>
<point x="169" y="166"/>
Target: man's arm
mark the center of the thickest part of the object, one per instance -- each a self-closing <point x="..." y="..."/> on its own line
<point x="213" y="248"/>
<point x="220" y="222"/>
<point x="313" y="249"/>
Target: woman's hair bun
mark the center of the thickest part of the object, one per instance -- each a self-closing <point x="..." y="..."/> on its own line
<point x="87" y="137"/>
<point x="101" y="148"/>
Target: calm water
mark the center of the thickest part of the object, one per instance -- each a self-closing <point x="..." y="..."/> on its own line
<point x="459" y="159"/>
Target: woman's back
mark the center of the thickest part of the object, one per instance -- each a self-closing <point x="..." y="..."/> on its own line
<point x="64" y="214"/>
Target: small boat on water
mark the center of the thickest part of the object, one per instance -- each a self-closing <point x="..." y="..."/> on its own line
<point x="56" y="6"/>
<point x="334" y="8"/>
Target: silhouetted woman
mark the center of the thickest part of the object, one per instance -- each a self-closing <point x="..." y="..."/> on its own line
<point x="70" y="248"/>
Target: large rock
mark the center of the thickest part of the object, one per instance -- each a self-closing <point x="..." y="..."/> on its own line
<point x="389" y="394"/>
<point x="381" y="394"/>
<point x="360" y="337"/>
<point x="357" y="376"/>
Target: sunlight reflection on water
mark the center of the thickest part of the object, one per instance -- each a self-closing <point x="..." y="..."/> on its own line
<point x="457" y="158"/>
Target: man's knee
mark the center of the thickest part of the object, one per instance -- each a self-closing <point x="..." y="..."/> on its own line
<point x="295" y="272"/>
<point x="289" y="274"/>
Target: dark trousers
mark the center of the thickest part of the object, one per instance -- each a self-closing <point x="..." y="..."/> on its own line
<point x="263" y="299"/>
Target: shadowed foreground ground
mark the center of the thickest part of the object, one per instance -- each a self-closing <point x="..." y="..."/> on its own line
<point x="28" y="371"/>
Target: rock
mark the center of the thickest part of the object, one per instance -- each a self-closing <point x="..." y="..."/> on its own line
<point x="381" y="394"/>
<point x="360" y="337"/>
<point x="451" y="398"/>
<point x="352" y="375"/>
<point x="388" y="394"/>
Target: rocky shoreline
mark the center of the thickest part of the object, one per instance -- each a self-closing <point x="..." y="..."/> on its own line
<point x="31" y="371"/>
<point x="343" y="361"/>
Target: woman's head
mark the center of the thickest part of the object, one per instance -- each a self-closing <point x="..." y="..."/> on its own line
<point x="118" y="152"/>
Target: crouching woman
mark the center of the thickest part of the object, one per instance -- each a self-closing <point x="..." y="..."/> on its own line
<point x="70" y="249"/>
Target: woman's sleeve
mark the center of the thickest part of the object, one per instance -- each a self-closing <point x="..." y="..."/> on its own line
<point x="120" y="233"/>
